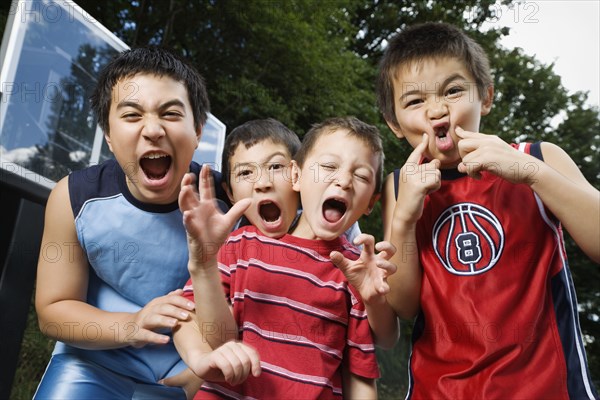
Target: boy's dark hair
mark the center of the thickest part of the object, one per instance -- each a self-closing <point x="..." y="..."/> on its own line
<point x="426" y="41"/>
<point x="369" y="134"/>
<point x="253" y="132"/>
<point x="149" y="60"/>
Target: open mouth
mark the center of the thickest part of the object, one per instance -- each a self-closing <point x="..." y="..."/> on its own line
<point x="269" y="211"/>
<point x="334" y="210"/>
<point x="155" y="165"/>
<point x="441" y="132"/>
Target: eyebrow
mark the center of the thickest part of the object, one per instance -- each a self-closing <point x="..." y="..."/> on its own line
<point x="451" y="78"/>
<point x="137" y="106"/>
<point x="269" y="157"/>
<point x="366" y="165"/>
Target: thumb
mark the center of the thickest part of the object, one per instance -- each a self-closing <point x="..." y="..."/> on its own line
<point x="237" y="210"/>
<point x="339" y="260"/>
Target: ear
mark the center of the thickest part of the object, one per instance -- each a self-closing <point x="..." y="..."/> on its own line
<point x="198" y="133"/>
<point x="372" y="203"/>
<point x="486" y="106"/>
<point x="107" y="138"/>
<point x="228" y="192"/>
<point x="295" y="176"/>
<point x="395" y="128"/>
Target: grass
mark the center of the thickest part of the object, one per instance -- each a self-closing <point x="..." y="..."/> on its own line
<point x="33" y="358"/>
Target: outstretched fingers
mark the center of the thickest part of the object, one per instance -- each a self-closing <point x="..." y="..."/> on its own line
<point x="367" y="241"/>
<point x="385" y="249"/>
<point x="206" y="186"/>
<point x="188" y="195"/>
<point x="339" y="260"/>
<point x="236" y="211"/>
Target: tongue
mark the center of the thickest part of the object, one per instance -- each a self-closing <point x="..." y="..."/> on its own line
<point x="269" y="212"/>
<point x="155" y="168"/>
<point x="332" y="214"/>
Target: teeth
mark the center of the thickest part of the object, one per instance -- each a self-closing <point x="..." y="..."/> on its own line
<point x="440" y="132"/>
<point x="155" y="155"/>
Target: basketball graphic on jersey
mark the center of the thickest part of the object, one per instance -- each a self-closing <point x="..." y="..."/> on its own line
<point x="467" y="239"/>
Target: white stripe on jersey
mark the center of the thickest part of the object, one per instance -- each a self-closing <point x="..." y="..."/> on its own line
<point x="290" y="271"/>
<point x="239" y="296"/>
<point x="300" y="377"/>
<point x="362" y="347"/>
<point x="276" y="242"/>
<point x="226" y="392"/>
<point x="573" y="303"/>
<point x="292" y="338"/>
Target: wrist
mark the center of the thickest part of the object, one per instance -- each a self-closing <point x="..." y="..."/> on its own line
<point x="402" y="226"/>
<point x="375" y="301"/>
<point x="201" y="266"/>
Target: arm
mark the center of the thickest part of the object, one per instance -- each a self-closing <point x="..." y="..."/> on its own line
<point x="231" y="362"/>
<point x="571" y="198"/>
<point x="400" y="218"/>
<point x="368" y="276"/>
<point x="61" y="291"/>
<point x="207" y="229"/>
<point x="556" y="180"/>
<point x="358" y="387"/>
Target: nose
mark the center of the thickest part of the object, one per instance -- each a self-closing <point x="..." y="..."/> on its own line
<point x="264" y="181"/>
<point x="343" y="180"/>
<point x="437" y="107"/>
<point x="153" y="129"/>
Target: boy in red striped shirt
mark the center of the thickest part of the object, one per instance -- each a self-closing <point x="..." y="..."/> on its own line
<point x="288" y="299"/>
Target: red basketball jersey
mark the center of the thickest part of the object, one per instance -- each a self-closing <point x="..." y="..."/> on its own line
<point x="498" y="311"/>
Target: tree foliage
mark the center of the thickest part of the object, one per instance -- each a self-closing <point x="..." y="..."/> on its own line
<point x="301" y="61"/>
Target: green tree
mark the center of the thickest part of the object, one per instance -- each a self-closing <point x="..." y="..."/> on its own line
<point x="288" y="60"/>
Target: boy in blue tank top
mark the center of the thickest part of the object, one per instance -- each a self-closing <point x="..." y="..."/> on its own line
<point x="110" y="298"/>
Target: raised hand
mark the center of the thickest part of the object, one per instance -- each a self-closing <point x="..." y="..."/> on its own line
<point x="481" y="152"/>
<point x="207" y="227"/>
<point x="368" y="274"/>
<point x="415" y="182"/>
<point x="160" y="313"/>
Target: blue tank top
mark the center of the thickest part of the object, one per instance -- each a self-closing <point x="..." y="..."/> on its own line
<point x="136" y="252"/>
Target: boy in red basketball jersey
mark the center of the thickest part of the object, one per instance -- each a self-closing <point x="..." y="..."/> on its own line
<point x="477" y="224"/>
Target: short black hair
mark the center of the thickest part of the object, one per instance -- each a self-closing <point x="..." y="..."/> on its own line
<point x="430" y="40"/>
<point x="253" y="132"/>
<point x="149" y="60"/>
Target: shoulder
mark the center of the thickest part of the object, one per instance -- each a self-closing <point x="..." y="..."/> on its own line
<point x="97" y="181"/>
<point x="58" y="208"/>
<point x="558" y="159"/>
<point x="60" y="193"/>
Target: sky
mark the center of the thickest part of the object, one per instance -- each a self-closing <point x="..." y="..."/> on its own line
<point x="560" y="31"/>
